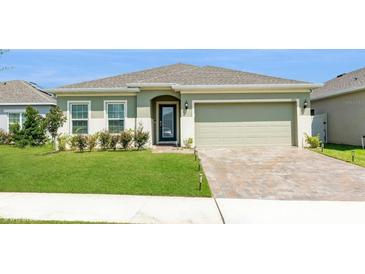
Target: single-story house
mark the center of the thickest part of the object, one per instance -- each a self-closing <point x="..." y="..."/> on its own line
<point x="212" y="105"/>
<point x="15" y="96"/>
<point x="343" y="99"/>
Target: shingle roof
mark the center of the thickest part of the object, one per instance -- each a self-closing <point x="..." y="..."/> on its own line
<point x="22" y="92"/>
<point x="184" y="74"/>
<point x="341" y="84"/>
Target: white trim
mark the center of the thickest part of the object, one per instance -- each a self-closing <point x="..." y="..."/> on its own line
<point x="28" y="104"/>
<point x="134" y="87"/>
<point x="20" y="118"/>
<point x="69" y="103"/>
<point x="106" y="118"/>
<point x="95" y="94"/>
<point x="153" y="85"/>
<point x="177" y="113"/>
<point x="118" y="89"/>
<point x="298" y="110"/>
<point x="255" y="87"/>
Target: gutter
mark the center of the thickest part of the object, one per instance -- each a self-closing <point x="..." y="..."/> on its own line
<point x="28" y="104"/>
<point x="152" y="85"/>
<point x="336" y="93"/>
<point x="92" y="90"/>
<point x="246" y="87"/>
<point x="136" y="87"/>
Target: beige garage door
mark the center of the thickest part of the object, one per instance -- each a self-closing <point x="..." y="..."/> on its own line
<point x="244" y="124"/>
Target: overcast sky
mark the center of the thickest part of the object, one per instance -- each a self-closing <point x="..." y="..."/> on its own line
<point x="52" y="68"/>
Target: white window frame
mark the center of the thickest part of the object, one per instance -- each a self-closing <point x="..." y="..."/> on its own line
<point x="69" y="114"/>
<point x="21" y="113"/>
<point x="106" y="103"/>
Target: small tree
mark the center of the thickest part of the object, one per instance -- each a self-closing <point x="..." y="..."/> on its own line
<point x="34" y="127"/>
<point x="54" y="120"/>
<point x="33" y="130"/>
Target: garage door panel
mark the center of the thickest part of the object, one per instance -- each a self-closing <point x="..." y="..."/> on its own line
<point x="244" y="124"/>
<point x="254" y="141"/>
<point x="241" y="131"/>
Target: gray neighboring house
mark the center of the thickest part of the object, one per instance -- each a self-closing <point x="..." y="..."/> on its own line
<point x="15" y="96"/>
<point x="343" y="99"/>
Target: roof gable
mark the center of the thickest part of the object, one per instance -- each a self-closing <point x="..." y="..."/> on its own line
<point x="22" y="92"/>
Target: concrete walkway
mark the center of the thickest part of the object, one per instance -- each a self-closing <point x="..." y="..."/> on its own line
<point x="247" y="211"/>
<point x="109" y="208"/>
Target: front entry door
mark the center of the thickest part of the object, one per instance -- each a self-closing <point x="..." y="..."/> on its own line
<point x="167" y="123"/>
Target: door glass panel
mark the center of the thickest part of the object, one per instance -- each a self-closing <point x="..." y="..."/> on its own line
<point x="168" y="122"/>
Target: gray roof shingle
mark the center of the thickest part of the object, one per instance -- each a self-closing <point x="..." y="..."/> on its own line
<point x="22" y="92"/>
<point x="342" y="83"/>
<point x="184" y="74"/>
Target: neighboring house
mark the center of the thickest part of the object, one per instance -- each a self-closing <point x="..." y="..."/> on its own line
<point x="15" y="96"/>
<point x="214" y="106"/>
<point x="343" y="99"/>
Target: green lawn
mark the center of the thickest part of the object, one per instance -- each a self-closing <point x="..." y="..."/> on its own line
<point x="343" y="152"/>
<point x="25" y="221"/>
<point x="109" y="172"/>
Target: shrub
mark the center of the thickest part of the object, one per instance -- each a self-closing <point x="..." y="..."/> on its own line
<point x="92" y="141"/>
<point x="17" y="136"/>
<point x="104" y="139"/>
<point x="81" y="142"/>
<point x="188" y="142"/>
<point x="73" y="142"/>
<point x="5" y="137"/>
<point x="141" y="137"/>
<point x="62" y="141"/>
<point x="126" y="138"/>
<point x="114" y="140"/>
<point x="33" y="130"/>
<point x="312" y="141"/>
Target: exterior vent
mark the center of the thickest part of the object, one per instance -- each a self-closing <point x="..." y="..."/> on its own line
<point x="338" y="76"/>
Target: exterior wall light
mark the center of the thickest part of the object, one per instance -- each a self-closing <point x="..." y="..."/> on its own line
<point x="186" y="105"/>
<point x="305" y="105"/>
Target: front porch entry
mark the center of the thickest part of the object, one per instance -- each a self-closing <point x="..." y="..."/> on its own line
<point x="166" y="121"/>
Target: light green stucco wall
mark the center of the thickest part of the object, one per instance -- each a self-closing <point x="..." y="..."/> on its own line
<point x="244" y="96"/>
<point x="97" y="104"/>
<point x="144" y="101"/>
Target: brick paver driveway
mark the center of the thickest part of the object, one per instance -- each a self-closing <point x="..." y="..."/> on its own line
<point x="284" y="173"/>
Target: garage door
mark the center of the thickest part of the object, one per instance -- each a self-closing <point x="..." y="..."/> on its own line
<point x="244" y="124"/>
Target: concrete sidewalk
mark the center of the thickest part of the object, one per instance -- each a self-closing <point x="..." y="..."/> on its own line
<point x="109" y="208"/>
<point x="249" y="211"/>
<point x="178" y="210"/>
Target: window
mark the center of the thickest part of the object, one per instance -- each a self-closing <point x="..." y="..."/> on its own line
<point x="80" y="118"/>
<point x="16" y="118"/>
<point x="115" y="113"/>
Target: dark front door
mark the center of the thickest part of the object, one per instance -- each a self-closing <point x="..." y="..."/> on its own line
<point x="167" y="123"/>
